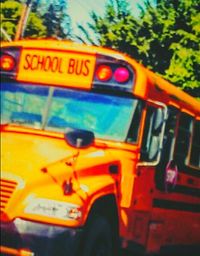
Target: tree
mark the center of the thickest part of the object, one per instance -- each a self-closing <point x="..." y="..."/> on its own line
<point x="56" y="19"/>
<point x="165" y="37"/>
<point x="112" y="30"/>
<point x="184" y="65"/>
<point x="35" y="27"/>
<point x="45" y="19"/>
<point x="173" y="41"/>
<point x="10" y="15"/>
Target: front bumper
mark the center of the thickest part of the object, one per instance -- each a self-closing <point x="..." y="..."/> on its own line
<point x="38" y="239"/>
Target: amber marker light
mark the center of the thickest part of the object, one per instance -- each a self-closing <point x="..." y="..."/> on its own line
<point x="10" y="251"/>
<point x="24" y="252"/>
<point x="7" y="63"/>
<point x="104" y="73"/>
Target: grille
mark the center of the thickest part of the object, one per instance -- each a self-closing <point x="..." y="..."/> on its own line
<point x="7" y="188"/>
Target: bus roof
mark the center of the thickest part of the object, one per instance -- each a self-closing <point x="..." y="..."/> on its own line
<point x="172" y="94"/>
<point x="63" y="45"/>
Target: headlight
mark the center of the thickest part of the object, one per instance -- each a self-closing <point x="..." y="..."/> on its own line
<point x="53" y="209"/>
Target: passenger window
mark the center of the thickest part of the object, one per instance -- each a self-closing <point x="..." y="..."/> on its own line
<point x="152" y="134"/>
<point x="195" y="149"/>
<point x="183" y="138"/>
<point x="167" y="154"/>
<point x="169" y="135"/>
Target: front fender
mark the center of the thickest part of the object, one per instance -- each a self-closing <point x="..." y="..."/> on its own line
<point x="96" y="188"/>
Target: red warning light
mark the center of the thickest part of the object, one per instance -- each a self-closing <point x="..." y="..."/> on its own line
<point x="121" y="75"/>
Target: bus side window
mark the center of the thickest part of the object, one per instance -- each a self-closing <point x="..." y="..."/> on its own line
<point x="169" y="135"/>
<point x="168" y="146"/>
<point x="195" y="148"/>
<point x="152" y="134"/>
<point x="183" y="139"/>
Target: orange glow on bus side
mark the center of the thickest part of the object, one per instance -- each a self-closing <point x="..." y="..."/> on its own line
<point x="56" y="68"/>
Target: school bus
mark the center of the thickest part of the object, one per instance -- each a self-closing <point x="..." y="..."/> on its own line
<point x="98" y="154"/>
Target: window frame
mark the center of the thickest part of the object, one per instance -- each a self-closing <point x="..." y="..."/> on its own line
<point x="195" y="121"/>
<point x="187" y="158"/>
<point x="185" y="131"/>
<point x="155" y="105"/>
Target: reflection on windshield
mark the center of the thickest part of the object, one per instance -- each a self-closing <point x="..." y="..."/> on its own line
<point x="51" y="108"/>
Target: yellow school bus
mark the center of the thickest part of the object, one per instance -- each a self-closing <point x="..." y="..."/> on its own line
<point x="98" y="154"/>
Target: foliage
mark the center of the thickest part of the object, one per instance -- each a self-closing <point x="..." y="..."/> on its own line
<point x="185" y="63"/>
<point x="56" y="19"/>
<point x="165" y="37"/>
<point x="10" y="14"/>
<point x="112" y="30"/>
<point x="45" y="20"/>
<point x="35" y="27"/>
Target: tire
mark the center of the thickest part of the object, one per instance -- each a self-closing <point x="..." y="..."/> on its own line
<point x="98" y="238"/>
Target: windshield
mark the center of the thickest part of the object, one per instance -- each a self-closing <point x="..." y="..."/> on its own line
<point x="53" y="108"/>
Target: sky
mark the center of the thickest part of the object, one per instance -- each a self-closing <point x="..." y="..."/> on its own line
<point x="79" y="10"/>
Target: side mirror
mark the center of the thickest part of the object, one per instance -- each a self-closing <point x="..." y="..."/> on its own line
<point x="79" y="138"/>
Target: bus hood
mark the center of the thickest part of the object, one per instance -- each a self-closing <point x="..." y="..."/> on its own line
<point x="25" y="154"/>
<point x="29" y="156"/>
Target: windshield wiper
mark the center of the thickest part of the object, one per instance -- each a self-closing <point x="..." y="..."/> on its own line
<point x="25" y="118"/>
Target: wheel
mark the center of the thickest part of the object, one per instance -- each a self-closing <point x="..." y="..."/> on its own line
<point x="98" y="238"/>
